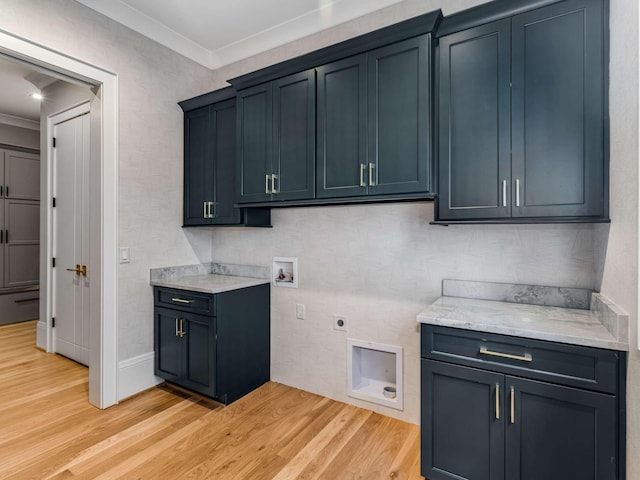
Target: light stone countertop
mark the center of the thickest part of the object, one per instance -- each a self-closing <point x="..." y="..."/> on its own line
<point x="209" y="283"/>
<point x="209" y="277"/>
<point x="557" y="324"/>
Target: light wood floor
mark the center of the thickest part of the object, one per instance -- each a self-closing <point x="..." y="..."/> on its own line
<point x="49" y="430"/>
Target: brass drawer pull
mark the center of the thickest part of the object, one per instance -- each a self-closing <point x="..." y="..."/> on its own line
<point x="523" y="358"/>
<point x="180" y="300"/>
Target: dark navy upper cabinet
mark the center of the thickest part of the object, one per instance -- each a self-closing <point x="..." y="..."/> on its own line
<point x="558" y="110"/>
<point x="254" y="137"/>
<point x="294" y="136"/>
<point x="276" y="140"/>
<point x="209" y="161"/>
<point x="373" y="122"/>
<point x="342" y="128"/>
<point x="521" y="119"/>
<point x="474" y="123"/>
<point x="399" y="127"/>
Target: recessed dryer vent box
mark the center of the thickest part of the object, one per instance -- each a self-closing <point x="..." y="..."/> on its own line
<point x="375" y="373"/>
<point x="285" y="272"/>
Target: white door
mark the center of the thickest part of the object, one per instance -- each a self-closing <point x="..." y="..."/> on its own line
<point x="72" y="272"/>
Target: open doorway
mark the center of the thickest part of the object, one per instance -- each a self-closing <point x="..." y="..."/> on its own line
<point x="102" y="214"/>
<point x="19" y="195"/>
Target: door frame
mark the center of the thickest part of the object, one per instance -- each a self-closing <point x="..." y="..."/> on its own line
<point x="103" y="357"/>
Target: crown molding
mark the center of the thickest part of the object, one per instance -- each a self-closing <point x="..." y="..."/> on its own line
<point x="151" y="28"/>
<point x="19" y="122"/>
<point x="324" y="17"/>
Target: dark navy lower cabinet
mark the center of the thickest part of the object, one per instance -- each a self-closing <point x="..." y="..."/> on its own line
<point x="221" y="351"/>
<point x="545" y="411"/>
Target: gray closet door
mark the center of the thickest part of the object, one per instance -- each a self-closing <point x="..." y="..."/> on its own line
<point x="22" y="175"/>
<point x="22" y="242"/>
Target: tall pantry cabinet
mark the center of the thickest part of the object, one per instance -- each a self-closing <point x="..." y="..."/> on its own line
<point x="19" y="219"/>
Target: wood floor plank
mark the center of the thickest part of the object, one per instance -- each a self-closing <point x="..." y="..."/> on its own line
<point x="48" y="430"/>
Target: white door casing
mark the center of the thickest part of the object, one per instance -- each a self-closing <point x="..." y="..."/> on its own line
<point x="70" y="170"/>
<point x="103" y="357"/>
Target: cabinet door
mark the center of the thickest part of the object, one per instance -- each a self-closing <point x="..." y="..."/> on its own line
<point x="294" y="129"/>
<point x="558" y="110"/>
<point x="168" y="345"/>
<point x="560" y="432"/>
<point x="223" y="138"/>
<point x="3" y="153"/>
<point x="462" y="426"/>
<point x="22" y="243"/>
<point x="22" y="175"/>
<point x="198" y="166"/>
<point x="474" y="120"/>
<point x="254" y="136"/>
<point x="2" y="243"/>
<point x="342" y="123"/>
<point x="398" y="113"/>
<point x="199" y="353"/>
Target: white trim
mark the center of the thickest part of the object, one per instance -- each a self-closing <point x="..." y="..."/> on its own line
<point x="41" y="335"/>
<point x="103" y="367"/>
<point x="324" y="17"/>
<point x="19" y="122"/>
<point x="328" y="14"/>
<point x="153" y="29"/>
<point x="136" y="375"/>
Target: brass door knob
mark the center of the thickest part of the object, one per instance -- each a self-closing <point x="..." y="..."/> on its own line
<point x="80" y="270"/>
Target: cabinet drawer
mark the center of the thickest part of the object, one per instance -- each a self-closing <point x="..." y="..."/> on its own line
<point x="186" y="301"/>
<point x="591" y="368"/>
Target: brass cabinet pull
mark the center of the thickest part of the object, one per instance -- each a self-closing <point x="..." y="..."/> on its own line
<point x="179" y="327"/>
<point x="523" y="358"/>
<point x="181" y="300"/>
<point x="497" y="401"/>
<point x="266" y="185"/>
<point x="513" y="405"/>
<point x="371" y="165"/>
<point x="274" y="177"/>
<point x="362" y="182"/>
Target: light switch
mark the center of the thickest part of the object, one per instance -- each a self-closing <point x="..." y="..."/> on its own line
<point x="300" y="311"/>
<point x="124" y="255"/>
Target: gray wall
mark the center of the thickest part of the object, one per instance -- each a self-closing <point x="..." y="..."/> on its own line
<point x="151" y="80"/>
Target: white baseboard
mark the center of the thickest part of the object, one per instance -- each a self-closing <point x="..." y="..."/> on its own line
<point x="136" y="374"/>
<point x="41" y="335"/>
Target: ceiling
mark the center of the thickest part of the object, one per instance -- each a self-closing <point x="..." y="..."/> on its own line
<point x="215" y="33"/>
<point x="16" y="104"/>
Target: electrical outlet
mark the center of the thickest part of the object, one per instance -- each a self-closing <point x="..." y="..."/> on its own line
<point x="300" y="311"/>
<point x="340" y="322"/>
